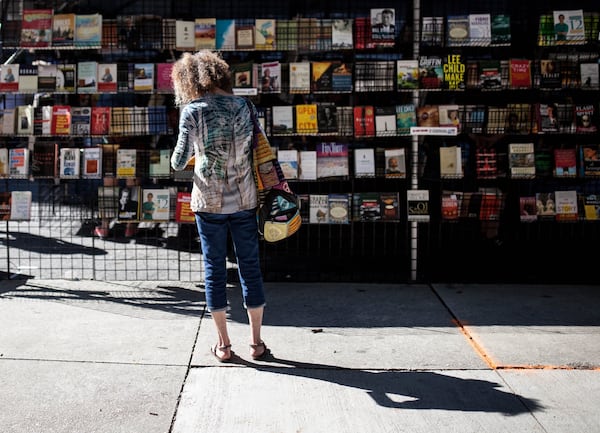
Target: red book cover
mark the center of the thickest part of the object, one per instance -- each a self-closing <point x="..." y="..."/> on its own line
<point x="36" y="28"/>
<point x="163" y="77"/>
<point x="100" y="123"/>
<point x="61" y="120"/>
<point x="183" y="212"/>
<point x="519" y="73"/>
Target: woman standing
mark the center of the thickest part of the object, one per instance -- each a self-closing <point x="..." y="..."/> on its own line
<point x="216" y="128"/>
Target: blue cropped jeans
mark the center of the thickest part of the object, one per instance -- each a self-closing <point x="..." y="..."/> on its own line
<point x="213" y="229"/>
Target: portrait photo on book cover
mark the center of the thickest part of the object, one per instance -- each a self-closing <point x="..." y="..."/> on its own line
<point x="383" y="25"/>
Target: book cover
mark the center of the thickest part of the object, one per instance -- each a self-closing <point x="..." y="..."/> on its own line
<point x="527" y="208"/>
<point x="547" y="118"/>
<point x="545" y="206"/>
<point x="87" y="72"/>
<point x="591" y="206"/>
<point x="109" y="159"/>
<point x="164" y="83"/>
<point x="20" y="205"/>
<point x="589" y="75"/>
<point x="266" y="31"/>
<point x="66" y="77"/>
<point x="88" y="30"/>
<point x="569" y="26"/>
<point x="519" y="73"/>
<point x="327" y="121"/>
<point x="454" y="69"/>
<point x="183" y="211"/>
<point x="586" y="118"/>
<point x="407" y="72"/>
<point x="244" y="36"/>
<point x="406" y="118"/>
<point x="457" y="30"/>
<point x="44" y="159"/>
<point x="28" y="78"/>
<point x="500" y="30"/>
<point x="342" y="34"/>
<point x="126" y="163"/>
<point x="300" y="77"/>
<point x="205" y="33"/>
<point x="307" y="169"/>
<point x="321" y="78"/>
<point x="432" y="31"/>
<point x="185" y="37"/>
<point x="69" y="163"/>
<point x="486" y="162"/>
<point x="385" y="121"/>
<point x="42" y="120"/>
<point x="390" y="206"/>
<point x="128" y="208"/>
<point x="63" y="30"/>
<point x="480" y="29"/>
<point x="100" y="120"/>
<point x="332" y="160"/>
<point x="61" y="120"/>
<point x="9" y="121"/>
<point x="225" y="34"/>
<point x="36" y="28"/>
<point x="160" y="163"/>
<point x="125" y="77"/>
<point x="107" y="77"/>
<point x="449" y="115"/>
<point x="155" y="204"/>
<point x="450" y="205"/>
<point x="306" y="118"/>
<point x="47" y="78"/>
<point x="288" y="161"/>
<point x="364" y="162"/>
<point x="451" y="162"/>
<point x="490" y="206"/>
<point x="366" y="206"/>
<point x="3" y="162"/>
<point x="395" y="163"/>
<point x="565" y="162"/>
<point x="566" y="205"/>
<point x="319" y="209"/>
<point x="338" y="208"/>
<point x="283" y="119"/>
<point x="91" y="162"/>
<point x="9" y="77"/>
<point x="521" y="160"/>
<point x="18" y="162"/>
<point x="550" y="74"/>
<point x="490" y="77"/>
<point x="5" y="204"/>
<point x="428" y="115"/>
<point x="270" y="79"/>
<point x="589" y="155"/>
<point x="25" y="120"/>
<point x="383" y="26"/>
<point x="143" y="80"/>
<point x="364" y="121"/>
<point x="431" y="73"/>
<point x="417" y="205"/>
<point x="81" y="120"/>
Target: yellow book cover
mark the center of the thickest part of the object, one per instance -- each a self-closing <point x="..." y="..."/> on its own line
<point x="306" y="119"/>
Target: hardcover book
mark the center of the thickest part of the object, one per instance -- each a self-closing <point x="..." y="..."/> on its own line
<point x="9" y="77"/>
<point x="338" y="208"/>
<point x="36" y="28"/>
<point x="364" y="162"/>
<point x="454" y="70"/>
<point x="225" y="34"/>
<point x="20" y="205"/>
<point x="42" y="120"/>
<point x="432" y="31"/>
<point x="183" y="211"/>
<point x="266" y="30"/>
<point x="407" y="72"/>
<point x="521" y="159"/>
<point x="385" y="121"/>
<point x="47" y="78"/>
<point x="283" y="119"/>
<point x="364" y="121"/>
<point x="520" y="73"/>
<point x="18" y="162"/>
<point x="61" y="120"/>
<point x="100" y="120"/>
<point x="92" y="163"/>
<point x="589" y="156"/>
<point x="417" y="205"/>
<point x="81" y="120"/>
<point x="500" y="30"/>
<point x="586" y="118"/>
<point x="332" y="160"/>
<point x="164" y="83"/>
<point x="390" y="206"/>
<point x="69" y="163"/>
<point x="431" y="73"/>
<point x="63" y="30"/>
<point x="128" y="208"/>
<point x="480" y="29"/>
<point x="406" y="118"/>
<point x="107" y="77"/>
<point x="591" y="206"/>
<point x="342" y="34"/>
<point x="244" y="36"/>
<point x="5" y="204"/>
<point x="28" y="78"/>
<point x="160" y="163"/>
<point x="185" y="38"/>
<point x="143" y="80"/>
<point x="300" y="78"/>
<point x="589" y="75"/>
<point x="569" y="26"/>
<point x="366" y="206"/>
<point x="44" y="159"/>
<point x="327" y="121"/>
<point x="24" y="120"/>
<point x="270" y="79"/>
<point x="545" y="206"/>
<point x="566" y="205"/>
<point x="395" y="163"/>
<point x="88" y="30"/>
<point x="565" y="162"/>
<point x="306" y="118"/>
<point x="3" y="162"/>
<point x="288" y="160"/>
<point x="527" y="208"/>
<point x="319" y="209"/>
<point x="451" y="162"/>
<point x="66" y="77"/>
<point x="126" y="163"/>
<point x="457" y="30"/>
<point x="428" y="115"/>
<point x="87" y="72"/>
<point x="205" y="33"/>
<point x="383" y="26"/>
<point x="307" y="165"/>
<point x="9" y="121"/>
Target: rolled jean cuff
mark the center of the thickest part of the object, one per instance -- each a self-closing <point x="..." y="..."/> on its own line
<point x="249" y="307"/>
<point x="216" y="310"/>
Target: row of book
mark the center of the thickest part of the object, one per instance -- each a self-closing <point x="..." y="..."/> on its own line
<point x="522" y="161"/>
<point x="42" y="28"/>
<point x="485" y="205"/>
<point x="86" y="77"/>
<point x="65" y="120"/>
<point x="51" y="160"/>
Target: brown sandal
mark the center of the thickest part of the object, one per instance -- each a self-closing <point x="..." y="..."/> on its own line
<point x="225" y="358"/>
<point x="263" y="353"/>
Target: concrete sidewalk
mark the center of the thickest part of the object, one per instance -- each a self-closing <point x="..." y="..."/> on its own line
<point x="133" y="357"/>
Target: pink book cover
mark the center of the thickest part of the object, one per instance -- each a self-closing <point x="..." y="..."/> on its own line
<point x="163" y="77"/>
<point x="100" y="123"/>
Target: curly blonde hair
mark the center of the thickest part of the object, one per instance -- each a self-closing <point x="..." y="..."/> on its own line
<point x="194" y="75"/>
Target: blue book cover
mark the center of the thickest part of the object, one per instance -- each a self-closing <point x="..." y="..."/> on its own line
<point x="225" y="34"/>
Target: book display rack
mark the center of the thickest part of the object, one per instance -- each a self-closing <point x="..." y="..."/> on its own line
<point x="361" y="108"/>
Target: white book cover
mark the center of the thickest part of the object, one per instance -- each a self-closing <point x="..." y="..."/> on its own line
<point x="18" y="162"/>
<point x="480" y="30"/>
<point x="46" y="120"/>
<point x="20" y="205"/>
<point x="342" y="34"/>
<point x="69" y="163"/>
<point x="566" y="205"/>
<point x="9" y="116"/>
<point x="126" y="162"/>
<point x="288" y="160"/>
<point x="283" y="119"/>
<point x="364" y="162"/>
<point x="155" y="204"/>
<point x="589" y="73"/>
<point x="307" y="165"/>
<point x="86" y="77"/>
<point x="318" y="209"/>
<point x="569" y="26"/>
<point x="450" y="162"/>
<point x="92" y="163"/>
<point x="25" y="120"/>
<point x="299" y="77"/>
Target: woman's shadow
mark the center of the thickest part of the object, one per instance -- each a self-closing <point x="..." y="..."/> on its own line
<point x="407" y="389"/>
